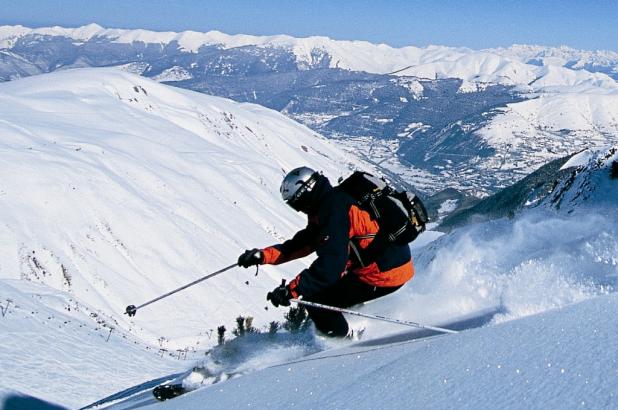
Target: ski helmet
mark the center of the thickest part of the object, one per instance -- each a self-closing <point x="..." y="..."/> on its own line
<point x="297" y="187"/>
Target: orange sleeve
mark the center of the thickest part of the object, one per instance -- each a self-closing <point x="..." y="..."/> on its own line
<point x="293" y="285"/>
<point x="274" y="256"/>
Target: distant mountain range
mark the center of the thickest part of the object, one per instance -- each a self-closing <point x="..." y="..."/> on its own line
<point x="440" y="117"/>
<point x="323" y="52"/>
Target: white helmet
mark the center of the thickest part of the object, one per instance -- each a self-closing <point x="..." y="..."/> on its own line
<point x="297" y="187"/>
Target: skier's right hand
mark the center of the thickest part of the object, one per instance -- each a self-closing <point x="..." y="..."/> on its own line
<point x="251" y="257"/>
<point x="280" y="295"/>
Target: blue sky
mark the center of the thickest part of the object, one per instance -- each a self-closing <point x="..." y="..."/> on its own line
<point x="591" y="24"/>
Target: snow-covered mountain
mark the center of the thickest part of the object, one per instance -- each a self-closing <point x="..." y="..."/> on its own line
<point x="510" y="66"/>
<point x="581" y="181"/>
<point x="474" y="120"/>
<point x="517" y="139"/>
<point x="591" y="182"/>
<point x="593" y="61"/>
<point x="116" y="189"/>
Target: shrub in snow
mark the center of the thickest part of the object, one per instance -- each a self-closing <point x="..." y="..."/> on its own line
<point x="244" y="325"/>
<point x="249" y="325"/>
<point x="240" y="326"/>
<point x="296" y="319"/>
<point x="221" y="334"/>
<point x="273" y="327"/>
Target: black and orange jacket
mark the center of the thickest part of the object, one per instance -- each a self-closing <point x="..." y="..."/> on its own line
<point x="334" y="224"/>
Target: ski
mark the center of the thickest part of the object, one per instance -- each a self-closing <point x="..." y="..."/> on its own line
<point x="168" y="391"/>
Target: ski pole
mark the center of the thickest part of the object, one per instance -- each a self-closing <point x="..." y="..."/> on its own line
<point x="132" y="309"/>
<point x="376" y="317"/>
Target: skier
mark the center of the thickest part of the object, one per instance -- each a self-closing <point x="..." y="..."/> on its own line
<point x="338" y="231"/>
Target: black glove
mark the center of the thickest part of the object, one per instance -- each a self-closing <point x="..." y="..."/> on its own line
<point x="250" y="258"/>
<point x="280" y="295"/>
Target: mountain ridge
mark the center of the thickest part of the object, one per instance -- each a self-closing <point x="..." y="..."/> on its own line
<point x="360" y="55"/>
<point x="88" y="31"/>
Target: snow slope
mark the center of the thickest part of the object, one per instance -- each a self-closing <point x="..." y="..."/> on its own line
<point x="487" y="67"/>
<point x="553" y="345"/>
<point x="116" y="189"/>
<point x="561" y="56"/>
<point x="560" y="359"/>
<point x="54" y="348"/>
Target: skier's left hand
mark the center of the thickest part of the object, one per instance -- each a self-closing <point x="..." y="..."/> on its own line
<point x="251" y="257"/>
<point x="280" y="295"/>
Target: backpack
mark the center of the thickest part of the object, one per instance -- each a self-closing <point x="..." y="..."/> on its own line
<point x="401" y="215"/>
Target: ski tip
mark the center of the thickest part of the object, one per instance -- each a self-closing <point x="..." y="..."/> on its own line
<point x="168" y="391"/>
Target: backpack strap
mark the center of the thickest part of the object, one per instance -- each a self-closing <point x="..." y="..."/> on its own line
<point x="359" y="252"/>
<point x="368" y="255"/>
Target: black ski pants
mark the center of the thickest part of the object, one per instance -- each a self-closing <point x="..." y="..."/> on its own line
<point x="346" y="292"/>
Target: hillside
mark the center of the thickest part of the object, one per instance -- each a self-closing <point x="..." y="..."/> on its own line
<point x="578" y="181"/>
<point x="117" y="189"/>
